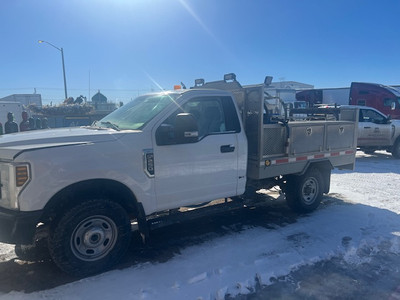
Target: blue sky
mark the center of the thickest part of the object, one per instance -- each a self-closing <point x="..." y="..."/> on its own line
<point x="126" y="47"/>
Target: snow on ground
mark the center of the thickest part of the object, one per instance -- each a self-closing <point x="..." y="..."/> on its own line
<point x="367" y="222"/>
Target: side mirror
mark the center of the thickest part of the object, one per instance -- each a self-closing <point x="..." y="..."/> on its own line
<point x="186" y="129"/>
<point x="165" y="135"/>
<point x="393" y="105"/>
<point x="388" y="119"/>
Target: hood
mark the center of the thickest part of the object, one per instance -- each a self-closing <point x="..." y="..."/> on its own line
<point x="396" y="122"/>
<point x="13" y="144"/>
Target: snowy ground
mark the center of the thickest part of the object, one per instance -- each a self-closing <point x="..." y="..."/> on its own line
<point x="357" y="227"/>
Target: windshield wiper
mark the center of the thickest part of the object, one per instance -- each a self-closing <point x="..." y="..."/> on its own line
<point x="111" y="125"/>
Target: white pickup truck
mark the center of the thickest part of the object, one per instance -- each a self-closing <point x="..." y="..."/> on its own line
<point x="378" y="132"/>
<point x="375" y="130"/>
<point x="77" y="191"/>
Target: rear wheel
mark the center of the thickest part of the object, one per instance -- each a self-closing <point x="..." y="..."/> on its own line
<point x="304" y="193"/>
<point x="90" y="237"/>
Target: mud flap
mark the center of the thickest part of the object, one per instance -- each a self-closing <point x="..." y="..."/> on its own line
<point x="142" y="223"/>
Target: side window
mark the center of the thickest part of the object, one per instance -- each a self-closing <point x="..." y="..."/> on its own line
<point x="388" y="101"/>
<point x="209" y="114"/>
<point x="371" y="116"/>
<point x="231" y="116"/>
<point x="213" y="115"/>
<point x="361" y="102"/>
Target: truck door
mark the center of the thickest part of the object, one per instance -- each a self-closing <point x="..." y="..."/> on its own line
<point x="203" y="167"/>
<point x="373" y="129"/>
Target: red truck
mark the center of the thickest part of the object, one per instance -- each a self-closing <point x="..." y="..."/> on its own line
<point x="386" y="99"/>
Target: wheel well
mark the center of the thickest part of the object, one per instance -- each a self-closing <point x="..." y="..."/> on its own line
<point x="90" y="189"/>
<point x="324" y="167"/>
<point x="321" y="165"/>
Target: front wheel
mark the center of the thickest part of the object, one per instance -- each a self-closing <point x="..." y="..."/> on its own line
<point x="396" y="149"/>
<point x="90" y="237"/>
<point x="369" y="151"/>
<point x="304" y="193"/>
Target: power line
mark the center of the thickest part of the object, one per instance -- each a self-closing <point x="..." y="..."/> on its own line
<point x="75" y="89"/>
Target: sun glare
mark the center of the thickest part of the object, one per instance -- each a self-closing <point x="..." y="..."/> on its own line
<point x="153" y="80"/>
<point x="196" y="17"/>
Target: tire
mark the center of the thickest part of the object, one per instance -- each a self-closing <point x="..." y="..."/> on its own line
<point x="90" y="238"/>
<point x="304" y="193"/>
<point x="396" y="149"/>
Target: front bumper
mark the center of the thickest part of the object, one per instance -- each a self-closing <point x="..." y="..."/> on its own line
<point x="17" y="227"/>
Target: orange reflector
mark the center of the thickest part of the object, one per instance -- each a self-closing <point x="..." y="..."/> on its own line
<point x="21" y="175"/>
<point x="177" y="87"/>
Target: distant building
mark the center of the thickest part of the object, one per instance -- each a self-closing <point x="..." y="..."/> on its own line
<point x="290" y="85"/>
<point x="99" y="98"/>
<point x="285" y="90"/>
<point x="24" y="99"/>
<point x="101" y="105"/>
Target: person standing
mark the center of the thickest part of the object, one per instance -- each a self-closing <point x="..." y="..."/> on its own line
<point x="10" y="126"/>
<point x="31" y="123"/>
<point x="24" y="125"/>
<point x="45" y="123"/>
<point x="38" y="124"/>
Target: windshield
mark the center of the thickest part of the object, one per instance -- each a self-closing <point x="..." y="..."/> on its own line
<point x="396" y="92"/>
<point x="137" y="113"/>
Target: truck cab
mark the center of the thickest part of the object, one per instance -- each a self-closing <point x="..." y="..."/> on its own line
<point x="200" y="150"/>
<point x="385" y="99"/>
<point x="377" y="131"/>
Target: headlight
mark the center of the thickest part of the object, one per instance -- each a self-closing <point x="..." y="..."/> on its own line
<point x="13" y="178"/>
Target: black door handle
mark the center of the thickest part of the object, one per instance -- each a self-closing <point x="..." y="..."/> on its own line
<point x="227" y="148"/>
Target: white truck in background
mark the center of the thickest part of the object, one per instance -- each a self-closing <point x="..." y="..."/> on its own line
<point x="76" y="191"/>
<point x="377" y="131"/>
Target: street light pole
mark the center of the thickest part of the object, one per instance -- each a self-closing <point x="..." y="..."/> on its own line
<point x="65" y="80"/>
<point x="63" y="65"/>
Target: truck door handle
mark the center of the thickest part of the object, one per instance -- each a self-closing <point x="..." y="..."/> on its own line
<point x="367" y="127"/>
<point x="227" y="148"/>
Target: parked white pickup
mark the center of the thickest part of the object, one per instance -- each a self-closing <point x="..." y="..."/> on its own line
<point x="77" y="190"/>
<point x="378" y="132"/>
